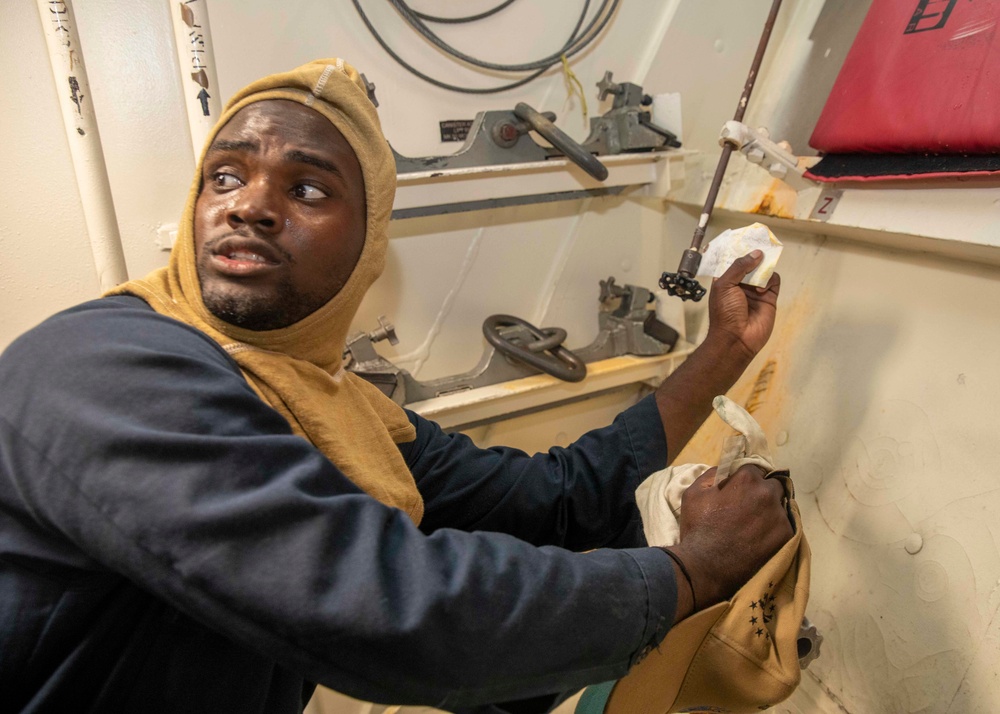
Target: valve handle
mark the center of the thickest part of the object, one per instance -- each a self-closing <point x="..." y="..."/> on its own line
<point x="681" y="286"/>
<point x="683" y="283"/>
<point x="545" y="353"/>
<point x="562" y="141"/>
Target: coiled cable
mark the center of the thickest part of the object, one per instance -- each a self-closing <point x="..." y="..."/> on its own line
<point x="459" y="20"/>
<point x="577" y="42"/>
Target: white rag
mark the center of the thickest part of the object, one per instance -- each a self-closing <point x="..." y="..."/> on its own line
<point x="734" y="243"/>
<point x="659" y="496"/>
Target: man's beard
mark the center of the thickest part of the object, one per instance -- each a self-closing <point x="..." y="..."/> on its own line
<point x="254" y="311"/>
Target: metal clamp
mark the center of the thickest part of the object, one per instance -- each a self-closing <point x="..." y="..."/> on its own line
<point x="628" y="125"/>
<point x="757" y="146"/>
<point x="501" y="137"/>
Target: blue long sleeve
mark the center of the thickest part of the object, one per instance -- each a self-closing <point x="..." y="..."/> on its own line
<point x="579" y="497"/>
<point x="168" y="544"/>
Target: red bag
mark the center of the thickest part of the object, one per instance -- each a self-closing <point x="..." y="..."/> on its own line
<point x="922" y="77"/>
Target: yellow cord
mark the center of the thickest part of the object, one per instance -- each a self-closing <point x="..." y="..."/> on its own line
<point x="573" y="86"/>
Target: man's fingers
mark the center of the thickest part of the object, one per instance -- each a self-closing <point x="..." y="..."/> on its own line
<point x="773" y="285"/>
<point x="776" y="487"/>
<point x="740" y="267"/>
<point x="750" y="473"/>
<point x="752" y="476"/>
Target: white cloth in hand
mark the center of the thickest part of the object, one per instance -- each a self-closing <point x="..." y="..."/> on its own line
<point x="659" y="496"/>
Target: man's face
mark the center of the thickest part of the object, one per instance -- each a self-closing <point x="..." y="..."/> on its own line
<point x="280" y="221"/>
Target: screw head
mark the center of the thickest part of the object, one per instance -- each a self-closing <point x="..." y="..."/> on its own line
<point x="505" y="134"/>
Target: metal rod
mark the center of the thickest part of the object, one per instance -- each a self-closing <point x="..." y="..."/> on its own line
<point x="713" y="193"/>
<point x="727" y="149"/>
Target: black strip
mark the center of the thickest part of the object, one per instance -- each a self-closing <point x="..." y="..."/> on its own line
<point x="874" y="165"/>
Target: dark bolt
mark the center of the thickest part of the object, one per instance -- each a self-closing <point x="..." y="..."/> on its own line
<point x="508" y="132"/>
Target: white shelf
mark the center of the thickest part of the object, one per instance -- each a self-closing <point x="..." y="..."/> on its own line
<point x="956" y="218"/>
<point x="507" y="399"/>
<point x="453" y="190"/>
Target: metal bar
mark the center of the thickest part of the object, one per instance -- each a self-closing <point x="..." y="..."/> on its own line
<point x="727" y="149"/>
<point x="486" y="203"/>
<point x="713" y="193"/>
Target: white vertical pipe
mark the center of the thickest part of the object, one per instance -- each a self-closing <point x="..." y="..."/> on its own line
<point x="196" y="57"/>
<point x="76" y="102"/>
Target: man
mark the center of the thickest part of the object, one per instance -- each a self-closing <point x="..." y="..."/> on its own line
<point x="203" y="513"/>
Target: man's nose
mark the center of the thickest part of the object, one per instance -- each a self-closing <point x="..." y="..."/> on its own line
<point x="258" y="206"/>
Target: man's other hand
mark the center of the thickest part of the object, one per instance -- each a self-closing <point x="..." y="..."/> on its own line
<point x="729" y="531"/>
<point x="743" y="314"/>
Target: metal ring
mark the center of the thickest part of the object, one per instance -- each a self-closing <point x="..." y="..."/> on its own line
<point x="557" y="361"/>
<point x="556" y="336"/>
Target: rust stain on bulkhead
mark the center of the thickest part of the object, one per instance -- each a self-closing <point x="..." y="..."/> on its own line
<point x="778" y="200"/>
<point x="758" y="393"/>
<point x="762" y="388"/>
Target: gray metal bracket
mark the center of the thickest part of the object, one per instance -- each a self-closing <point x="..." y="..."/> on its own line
<point x="495" y="138"/>
<point x="627" y="326"/>
<point x="758" y="148"/>
<point x="501" y="137"/>
<point x="627" y="126"/>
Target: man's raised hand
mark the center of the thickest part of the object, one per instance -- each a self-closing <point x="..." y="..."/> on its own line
<point x="743" y="314"/>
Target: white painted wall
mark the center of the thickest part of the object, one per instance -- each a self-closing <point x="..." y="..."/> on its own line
<point x="137" y="96"/>
<point x="884" y="381"/>
<point x="45" y="260"/>
<point x="882" y="402"/>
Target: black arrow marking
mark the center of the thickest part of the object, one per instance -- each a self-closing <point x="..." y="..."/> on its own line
<point x="204" y="97"/>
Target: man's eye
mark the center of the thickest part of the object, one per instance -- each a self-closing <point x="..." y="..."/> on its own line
<point x="224" y="180"/>
<point x="304" y="190"/>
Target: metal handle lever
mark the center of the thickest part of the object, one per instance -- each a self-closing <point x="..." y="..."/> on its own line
<point x="562" y="141"/>
<point x="543" y="352"/>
